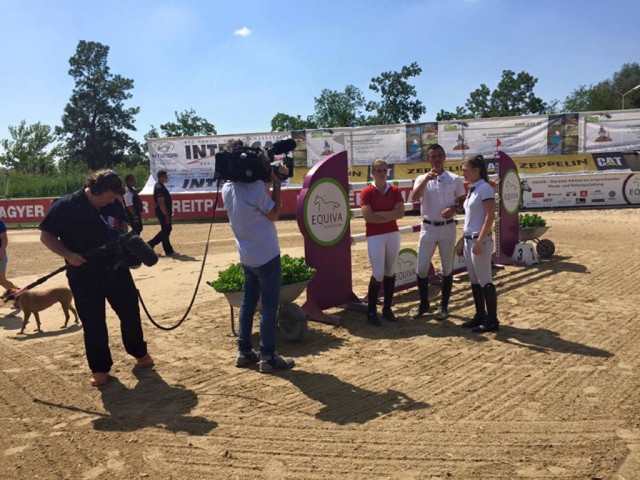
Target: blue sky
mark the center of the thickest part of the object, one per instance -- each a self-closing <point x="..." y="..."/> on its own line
<point x="190" y="54"/>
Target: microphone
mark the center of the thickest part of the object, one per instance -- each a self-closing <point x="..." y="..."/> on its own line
<point x="140" y="249"/>
<point x="283" y="146"/>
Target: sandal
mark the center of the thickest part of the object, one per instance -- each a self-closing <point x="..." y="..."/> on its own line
<point x="98" y="379"/>
<point x="145" y="362"/>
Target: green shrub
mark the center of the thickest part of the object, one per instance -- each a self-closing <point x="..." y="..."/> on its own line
<point x="294" y="270"/>
<point x="531" y="220"/>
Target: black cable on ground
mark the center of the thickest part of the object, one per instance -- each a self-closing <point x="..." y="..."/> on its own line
<point x="193" y="298"/>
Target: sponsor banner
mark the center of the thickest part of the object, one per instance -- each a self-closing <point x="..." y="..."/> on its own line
<point x="190" y="161"/>
<point x="322" y="143"/>
<point x="24" y="210"/>
<point x="581" y="190"/>
<point x="555" y="164"/>
<point x="517" y="136"/>
<point x="362" y="144"/>
<point x="610" y="131"/>
<point x="563" y="134"/>
<point x="419" y="137"/>
<point x="610" y="161"/>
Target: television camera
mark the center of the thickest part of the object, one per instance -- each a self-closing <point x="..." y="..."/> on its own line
<point x="248" y="164"/>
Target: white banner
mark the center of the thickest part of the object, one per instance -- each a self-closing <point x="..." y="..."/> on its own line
<point x="610" y="131"/>
<point x="190" y="161"/>
<point x="517" y="136"/>
<point x="388" y="142"/>
<point x="363" y="144"/>
<point x="581" y="190"/>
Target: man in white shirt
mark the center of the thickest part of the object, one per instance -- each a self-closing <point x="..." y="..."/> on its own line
<point x="439" y="192"/>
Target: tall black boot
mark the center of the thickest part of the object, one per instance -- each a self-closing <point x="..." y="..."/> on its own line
<point x="388" y="284"/>
<point x="423" y="290"/>
<point x="447" y="285"/>
<point x="478" y="299"/>
<point x="491" y="323"/>
<point x="372" y="297"/>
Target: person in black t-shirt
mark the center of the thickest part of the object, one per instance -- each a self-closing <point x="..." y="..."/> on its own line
<point x="76" y="227"/>
<point x="164" y="211"/>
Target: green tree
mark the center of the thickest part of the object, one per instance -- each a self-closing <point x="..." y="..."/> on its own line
<point x="30" y="149"/>
<point x="281" y="122"/>
<point x="512" y="97"/>
<point x="459" y="114"/>
<point x="340" y="109"/>
<point x="187" y="124"/>
<point x="398" y="103"/>
<point x="607" y="94"/>
<point x="95" y="120"/>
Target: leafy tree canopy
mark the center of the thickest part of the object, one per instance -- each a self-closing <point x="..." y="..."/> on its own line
<point x="398" y="103"/>
<point x="513" y="96"/>
<point x="187" y="124"/>
<point x="348" y="108"/>
<point x="607" y="94"/>
<point x="282" y="122"/>
<point x="95" y="120"/>
<point x="30" y="149"/>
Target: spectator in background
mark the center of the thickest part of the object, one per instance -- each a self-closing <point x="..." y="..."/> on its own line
<point x="4" y="242"/>
<point x="133" y="204"/>
<point x="164" y="211"/>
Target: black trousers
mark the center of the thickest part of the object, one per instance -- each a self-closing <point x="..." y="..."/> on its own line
<point x="91" y="287"/>
<point x="135" y="222"/>
<point x="163" y="235"/>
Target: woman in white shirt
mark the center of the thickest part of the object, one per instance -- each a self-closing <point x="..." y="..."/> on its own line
<point x="479" y="215"/>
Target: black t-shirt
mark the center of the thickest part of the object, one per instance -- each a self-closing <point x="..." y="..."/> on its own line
<point x="161" y="191"/>
<point x="79" y="226"/>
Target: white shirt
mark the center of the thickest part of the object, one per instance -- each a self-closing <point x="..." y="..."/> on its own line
<point x="439" y="194"/>
<point x="474" y="206"/>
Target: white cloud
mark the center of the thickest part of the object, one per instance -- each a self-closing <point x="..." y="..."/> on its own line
<point x="243" y="32"/>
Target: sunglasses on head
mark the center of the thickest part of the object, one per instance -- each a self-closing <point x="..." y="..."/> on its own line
<point x="380" y="170"/>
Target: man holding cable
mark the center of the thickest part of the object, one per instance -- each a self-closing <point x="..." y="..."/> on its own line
<point x="439" y="192"/>
<point x="252" y="213"/>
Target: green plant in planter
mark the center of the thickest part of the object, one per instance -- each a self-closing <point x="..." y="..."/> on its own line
<point x="531" y="220"/>
<point x="294" y="270"/>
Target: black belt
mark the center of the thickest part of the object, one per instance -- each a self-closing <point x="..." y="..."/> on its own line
<point x="438" y="224"/>
<point x="473" y="237"/>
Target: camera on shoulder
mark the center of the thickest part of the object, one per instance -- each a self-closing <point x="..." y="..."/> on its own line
<point x="249" y="164"/>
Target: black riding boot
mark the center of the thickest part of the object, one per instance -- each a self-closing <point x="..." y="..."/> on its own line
<point x="447" y="285"/>
<point x="372" y="297"/>
<point x="491" y="323"/>
<point x="478" y="299"/>
<point x="388" y="284"/>
<point x="423" y="290"/>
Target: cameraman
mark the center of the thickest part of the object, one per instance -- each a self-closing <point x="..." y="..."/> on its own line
<point x="252" y="213"/>
<point x="75" y="227"/>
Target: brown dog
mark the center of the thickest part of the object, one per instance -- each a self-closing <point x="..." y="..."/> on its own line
<point x="35" y="301"/>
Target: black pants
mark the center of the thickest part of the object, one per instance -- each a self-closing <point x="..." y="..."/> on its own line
<point x="163" y="235"/>
<point x="135" y="222"/>
<point x="90" y="288"/>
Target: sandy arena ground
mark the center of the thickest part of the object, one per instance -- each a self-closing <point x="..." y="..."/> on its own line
<point x="554" y="394"/>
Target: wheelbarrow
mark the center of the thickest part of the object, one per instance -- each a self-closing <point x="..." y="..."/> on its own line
<point x="292" y="320"/>
<point x="544" y="248"/>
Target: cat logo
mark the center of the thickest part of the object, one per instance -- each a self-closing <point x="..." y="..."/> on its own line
<point x="611" y="161"/>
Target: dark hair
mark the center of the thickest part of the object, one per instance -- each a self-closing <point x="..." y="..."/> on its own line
<point x="477" y="161"/>
<point x="130" y="176"/>
<point x="162" y="173"/>
<point x="434" y="146"/>
<point x="104" y="181"/>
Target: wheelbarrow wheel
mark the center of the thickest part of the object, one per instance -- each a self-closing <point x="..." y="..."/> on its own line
<point x="545" y="248"/>
<point x="292" y="322"/>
